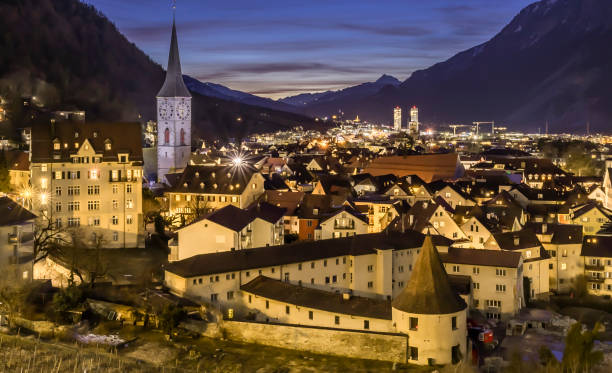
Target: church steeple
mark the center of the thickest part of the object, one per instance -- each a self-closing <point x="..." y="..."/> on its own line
<point x="174" y="85"/>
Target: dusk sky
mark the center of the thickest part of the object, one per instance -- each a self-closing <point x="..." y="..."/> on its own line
<point x="278" y="48"/>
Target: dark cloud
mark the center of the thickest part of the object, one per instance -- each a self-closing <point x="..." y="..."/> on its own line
<point x="391" y="30"/>
<point x="291" y="67"/>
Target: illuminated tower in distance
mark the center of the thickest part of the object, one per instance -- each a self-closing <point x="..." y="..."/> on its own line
<point x="413" y="126"/>
<point x="397" y="118"/>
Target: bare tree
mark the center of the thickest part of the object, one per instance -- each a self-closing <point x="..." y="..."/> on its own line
<point x="14" y="291"/>
<point x="47" y="237"/>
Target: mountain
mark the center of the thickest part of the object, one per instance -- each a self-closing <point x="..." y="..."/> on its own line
<point x="358" y="91"/>
<point x="69" y="55"/>
<point x="552" y="63"/>
<point x="225" y="93"/>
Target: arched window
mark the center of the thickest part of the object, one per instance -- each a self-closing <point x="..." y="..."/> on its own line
<point x="167" y="136"/>
<point x="182" y="136"/>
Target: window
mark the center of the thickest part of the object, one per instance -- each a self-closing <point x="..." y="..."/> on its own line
<point x="128" y="188"/>
<point x="166" y="136"/>
<point x="234" y="199"/>
<point x="334" y="279"/>
<point x="74" y="222"/>
<point x="310" y="315"/>
<point x="287" y="310"/>
<point x="129" y="219"/>
<point x="366" y="324"/>
<point x="267" y="304"/>
<point x="115" y="188"/>
<point x="93" y="205"/>
<point x="476" y="285"/>
<point x="74" y="190"/>
<point x="454" y="322"/>
<point x="475" y="270"/>
<point x="414" y="353"/>
<point x="115" y="204"/>
<point x="299" y="266"/>
<point x="74" y="206"/>
<point x="370" y="284"/>
<point x="327" y="279"/>
<point x="93" y="221"/>
<point x="500" y="288"/>
<point x="500" y="272"/>
<point x="58" y="175"/>
<point x="93" y="174"/>
<point x="337" y="320"/>
<point x="400" y="269"/>
<point x="413" y="323"/>
<point x="115" y="220"/>
<point x="370" y="268"/>
<point x="214" y="297"/>
<point x="230" y="295"/>
<point x="115" y="236"/>
<point x="455" y="268"/>
<point x="93" y="190"/>
<point x="43" y="167"/>
<point x="493" y="303"/>
<point x="58" y="207"/>
<point x="182" y="136"/>
<point x="563" y="266"/>
<point x="129" y="203"/>
<point x="325" y="263"/>
<point x="58" y="191"/>
<point x="312" y="264"/>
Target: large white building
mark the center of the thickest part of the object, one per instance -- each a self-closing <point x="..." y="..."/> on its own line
<point x="397" y="118"/>
<point x="88" y="176"/>
<point x="413" y="126"/>
<point x="173" y="117"/>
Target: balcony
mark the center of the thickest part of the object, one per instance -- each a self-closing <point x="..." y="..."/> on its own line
<point x="13" y="238"/>
<point x="595" y="279"/>
<point x="594" y="267"/>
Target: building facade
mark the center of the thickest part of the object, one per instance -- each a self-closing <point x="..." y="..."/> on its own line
<point x="88" y="177"/>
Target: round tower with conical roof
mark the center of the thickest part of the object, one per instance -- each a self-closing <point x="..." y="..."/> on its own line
<point x="431" y="313"/>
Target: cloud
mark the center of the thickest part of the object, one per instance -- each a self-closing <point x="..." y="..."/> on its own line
<point x="390" y="30"/>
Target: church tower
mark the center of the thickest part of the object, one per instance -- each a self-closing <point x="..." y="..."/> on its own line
<point x="173" y="116"/>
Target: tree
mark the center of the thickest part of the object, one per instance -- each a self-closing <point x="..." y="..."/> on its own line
<point x="198" y="207"/>
<point x="15" y="291"/>
<point x="5" y="178"/>
<point x="170" y="317"/>
<point x="578" y="356"/>
<point x="48" y="236"/>
<point x="150" y="206"/>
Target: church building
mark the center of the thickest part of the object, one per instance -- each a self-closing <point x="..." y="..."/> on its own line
<point x="173" y="116"/>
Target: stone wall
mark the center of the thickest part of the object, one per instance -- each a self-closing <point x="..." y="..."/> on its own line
<point x="354" y="344"/>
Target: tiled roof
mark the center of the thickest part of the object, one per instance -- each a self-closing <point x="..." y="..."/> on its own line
<point x="214" y="179"/>
<point x="123" y="137"/>
<point x="428" y="291"/>
<point x="318" y="299"/>
<point x="301" y="251"/>
<point x="428" y="167"/>
<point x="597" y="246"/>
<point x="12" y="213"/>
<point x="481" y="257"/>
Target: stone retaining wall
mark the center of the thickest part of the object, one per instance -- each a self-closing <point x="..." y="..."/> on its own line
<point x="354" y="344"/>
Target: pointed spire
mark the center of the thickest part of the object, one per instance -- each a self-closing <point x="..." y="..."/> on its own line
<point x="429" y="291"/>
<point x="174" y="86"/>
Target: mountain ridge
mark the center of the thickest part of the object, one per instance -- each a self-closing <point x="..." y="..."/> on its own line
<point x="550" y="63"/>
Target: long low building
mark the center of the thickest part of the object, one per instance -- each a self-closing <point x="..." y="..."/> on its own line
<point x="370" y="265"/>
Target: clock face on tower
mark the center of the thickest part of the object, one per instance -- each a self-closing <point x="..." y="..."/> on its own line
<point x="164" y="110"/>
<point x="182" y="110"/>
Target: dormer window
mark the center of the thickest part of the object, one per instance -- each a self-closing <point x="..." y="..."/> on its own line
<point x="76" y="134"/>
<point x="65" y="145"/>
<point x="76" y="145"/>
<point x="95" y="134"/>
<point x="107" y="145"/>
<point x="123" y="158"/>
<point x="56" y="145"/>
